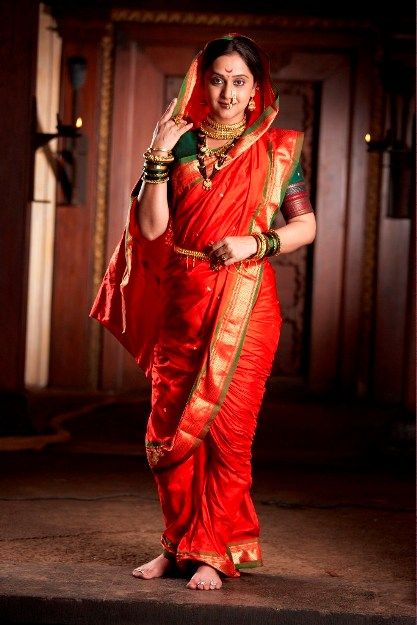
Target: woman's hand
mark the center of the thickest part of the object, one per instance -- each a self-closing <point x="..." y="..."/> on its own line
<point x="167" y="132"/>
<point x="232" y="249"/>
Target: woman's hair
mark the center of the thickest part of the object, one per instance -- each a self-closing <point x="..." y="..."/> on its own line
<point x="240" y="44"/>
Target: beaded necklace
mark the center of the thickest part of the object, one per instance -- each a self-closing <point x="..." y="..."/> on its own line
<point x="209" y="128"/>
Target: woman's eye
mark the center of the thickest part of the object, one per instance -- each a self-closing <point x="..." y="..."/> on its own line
<point x="239" y="82"/>
<point x="216" y="80"/>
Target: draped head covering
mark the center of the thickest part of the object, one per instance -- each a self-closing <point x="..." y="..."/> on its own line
<point x="192" y="107"/>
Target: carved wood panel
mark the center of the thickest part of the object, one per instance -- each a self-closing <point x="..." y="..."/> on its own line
<point x="294" y="271"/>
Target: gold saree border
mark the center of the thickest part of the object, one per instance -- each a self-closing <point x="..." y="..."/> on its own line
<point x="246" y="554"/>
<point x="222" y="563"/>
<point x="169" y="548"/>
<point x="212" y="382"/>
<point x="238" y="555"/>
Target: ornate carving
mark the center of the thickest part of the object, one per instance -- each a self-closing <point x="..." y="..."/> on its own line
<point x="237" y="20"/>
<point x="100" y="225"/>
<point x="292" y="268"/>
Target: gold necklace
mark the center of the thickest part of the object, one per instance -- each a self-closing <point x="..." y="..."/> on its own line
<point x="203" y="151"/>
<point x="221" y="126"/>
<point x="221" y="148"/>
<point x="214" y="130"/>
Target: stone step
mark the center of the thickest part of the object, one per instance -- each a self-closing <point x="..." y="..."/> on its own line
<point x="88" y="594"/>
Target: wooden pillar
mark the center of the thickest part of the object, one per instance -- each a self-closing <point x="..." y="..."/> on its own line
<point x="74" y="259"/>
<point x="18" y="51"/>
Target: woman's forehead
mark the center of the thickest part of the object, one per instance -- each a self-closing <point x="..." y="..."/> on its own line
<point x="231" y="64"/>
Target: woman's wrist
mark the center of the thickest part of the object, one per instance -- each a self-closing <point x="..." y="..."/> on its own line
<point x="268" y="243"/>
<point x="156" y="166"/>
<point x="158" y="147"/>
<point x="254" y="245"/>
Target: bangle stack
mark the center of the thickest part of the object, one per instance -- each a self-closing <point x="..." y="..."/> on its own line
<point x="268" y="244"/>
<point x="156" y="166"/>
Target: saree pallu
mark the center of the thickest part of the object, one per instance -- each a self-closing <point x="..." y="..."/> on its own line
<point x="206" y="340"/>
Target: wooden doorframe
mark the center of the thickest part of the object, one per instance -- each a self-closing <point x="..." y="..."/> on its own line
<point x="340" y="206"/>
<point x="341" y="184"/>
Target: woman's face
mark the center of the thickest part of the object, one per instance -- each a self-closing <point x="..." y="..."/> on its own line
<point x="229" y="75"/>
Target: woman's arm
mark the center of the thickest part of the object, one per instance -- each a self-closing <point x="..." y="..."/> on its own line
<point x="153" y="209"/>
<point x="298" y="231"/>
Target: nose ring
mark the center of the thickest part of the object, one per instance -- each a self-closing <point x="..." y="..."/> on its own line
<point x="233" y="100"/>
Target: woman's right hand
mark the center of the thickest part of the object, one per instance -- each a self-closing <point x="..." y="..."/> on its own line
<point x="168" y="132"/>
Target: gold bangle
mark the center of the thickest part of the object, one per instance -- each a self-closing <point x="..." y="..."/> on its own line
<point x="157" y="158"/>
<point x="163" y="180"/>
<point x="258" y="245"/>
<point x="155" y="176"/>
<point x="264" y="246"/>
<point x="156" y="164"/>
<point x="261" y="245"/>
<point x="258" y="240"/>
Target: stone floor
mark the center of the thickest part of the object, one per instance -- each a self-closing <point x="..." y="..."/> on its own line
<point x="78" y="515"/>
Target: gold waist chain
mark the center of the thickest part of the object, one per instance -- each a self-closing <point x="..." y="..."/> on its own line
<point x="193" y="253"/>
<point x="202" y="256"/>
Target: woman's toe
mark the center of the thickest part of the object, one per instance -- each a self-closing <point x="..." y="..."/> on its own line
<point x="192" y="583"/>
<point x="140" y="572"/>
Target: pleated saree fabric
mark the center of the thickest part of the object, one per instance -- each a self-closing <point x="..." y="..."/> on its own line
<point x="205" y="338"/>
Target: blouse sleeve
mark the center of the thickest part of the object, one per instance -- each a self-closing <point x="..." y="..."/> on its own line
<point x="296" y="200"/>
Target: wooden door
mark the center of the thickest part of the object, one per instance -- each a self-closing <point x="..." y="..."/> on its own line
<point x="145" y="81"/>
<point x="298" y="111"/>
<point x="317" y="343"/>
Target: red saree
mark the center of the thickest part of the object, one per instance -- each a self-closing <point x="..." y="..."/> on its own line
<point x="205" y="338"/>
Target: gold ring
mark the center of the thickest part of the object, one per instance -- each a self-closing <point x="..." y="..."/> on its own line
<point x="177" y="120"/>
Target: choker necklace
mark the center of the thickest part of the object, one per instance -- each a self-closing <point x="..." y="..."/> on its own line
<point x="203" y="150"/>
<point x="214" y="130"/>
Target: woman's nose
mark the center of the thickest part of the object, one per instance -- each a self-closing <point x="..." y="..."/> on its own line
<point x="229" y="92"/>
<point x="227" y="89"/>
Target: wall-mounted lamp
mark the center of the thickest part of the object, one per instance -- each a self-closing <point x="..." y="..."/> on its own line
<point x="69" y="163"/>
<point x="63" y="130"/>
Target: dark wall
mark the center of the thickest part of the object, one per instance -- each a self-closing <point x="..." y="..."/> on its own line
<point x="18" y="51"/>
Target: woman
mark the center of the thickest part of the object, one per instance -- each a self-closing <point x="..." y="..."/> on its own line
<point x="191" y="293"/>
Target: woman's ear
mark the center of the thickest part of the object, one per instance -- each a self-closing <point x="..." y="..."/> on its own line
<point x="252" y="93"/>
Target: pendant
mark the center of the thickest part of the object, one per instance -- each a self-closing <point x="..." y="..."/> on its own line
<point x="207" y="184"/>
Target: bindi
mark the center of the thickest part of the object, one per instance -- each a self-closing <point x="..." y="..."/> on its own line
<point x="228" y="70"/>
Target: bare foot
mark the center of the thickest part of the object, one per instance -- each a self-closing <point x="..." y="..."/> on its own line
<point x="208" y="575"/>
<point x="155" y="568"/>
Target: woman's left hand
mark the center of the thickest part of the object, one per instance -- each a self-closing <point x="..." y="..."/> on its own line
<point x="232" y="249"/>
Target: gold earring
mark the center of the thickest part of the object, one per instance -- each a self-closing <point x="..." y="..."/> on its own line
<point x="251" y="104"/>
